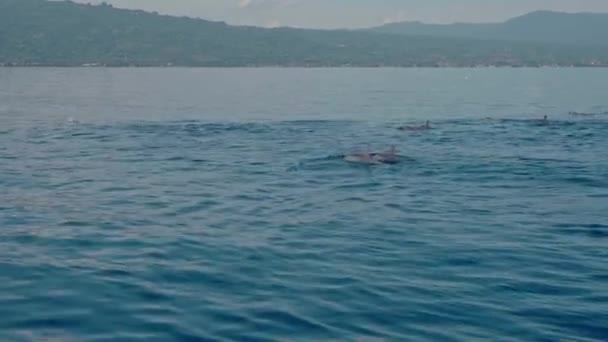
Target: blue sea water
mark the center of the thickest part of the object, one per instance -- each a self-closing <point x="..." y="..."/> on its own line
<point x="214" y="205"/>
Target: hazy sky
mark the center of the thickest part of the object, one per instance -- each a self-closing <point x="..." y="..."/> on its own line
<point x="355" y="13"/>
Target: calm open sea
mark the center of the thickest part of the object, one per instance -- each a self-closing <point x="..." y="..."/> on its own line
<point x="214" y="205"/>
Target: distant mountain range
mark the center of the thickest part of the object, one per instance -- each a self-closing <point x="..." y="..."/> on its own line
<point x="63" y="33"/>
<point x="541" y="27"/>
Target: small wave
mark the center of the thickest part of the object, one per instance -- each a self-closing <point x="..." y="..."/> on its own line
<point x="593" y="182"/>
<point x="283" y="320"/>
<point x="195" y="128"/>
<point x="575" y="113"/>
<point x="314" y="122"/>
<point x="316" y="163"/>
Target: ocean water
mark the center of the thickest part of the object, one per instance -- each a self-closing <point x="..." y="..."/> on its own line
<point x="214" y="205"/>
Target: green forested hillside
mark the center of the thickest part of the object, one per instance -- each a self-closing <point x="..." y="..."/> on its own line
<point x="583" y="29"/>
<point x="60" y="33"/>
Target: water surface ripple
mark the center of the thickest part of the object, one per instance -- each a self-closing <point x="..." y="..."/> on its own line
<point x="195" y="230"/>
